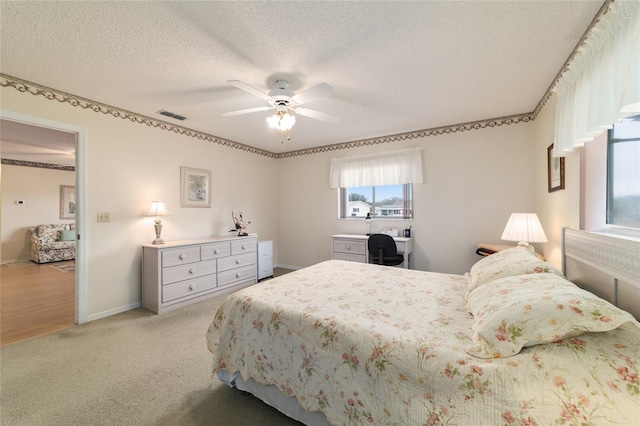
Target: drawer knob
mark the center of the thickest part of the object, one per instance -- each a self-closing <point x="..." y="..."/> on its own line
<point x="237" y="261"/>
<point x="243" y="246"/>
<point x="348" y="247"/>
<point x="192" y="287"/>
<point x="191" y="271"/>
<point x="238" y="275"/>
<point x="181" y="257"/>
<point x="215" y="251"/>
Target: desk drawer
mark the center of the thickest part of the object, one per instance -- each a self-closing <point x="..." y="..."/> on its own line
<point x="400" y="247"/>
<point x="187" y="288"/>
<point x="214" y="251"/>
<point x="180" y="256"/>
<point x="186" y="272"/>
<point x="352" y="247"/>
<point x="350" y="257"/>
<point x="236" y="261"/>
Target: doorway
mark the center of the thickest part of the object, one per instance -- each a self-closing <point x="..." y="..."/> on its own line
<point x="31" y="274"/>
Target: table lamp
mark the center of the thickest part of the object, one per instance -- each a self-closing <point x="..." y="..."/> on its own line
<point x="524" y="228"/>
<point x="157" y="209"/>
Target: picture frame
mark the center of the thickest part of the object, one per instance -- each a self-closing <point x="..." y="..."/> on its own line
<point x="195" y="187"/>
<point x="67" y="202"/>
<point x="555" y="171"/>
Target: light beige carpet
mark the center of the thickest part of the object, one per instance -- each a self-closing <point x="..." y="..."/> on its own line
<point x="134" y="368"/>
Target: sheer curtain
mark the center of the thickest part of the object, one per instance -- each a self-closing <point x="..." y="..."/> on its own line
<point x="384" y="168"/>
<point x="603" y="82"/>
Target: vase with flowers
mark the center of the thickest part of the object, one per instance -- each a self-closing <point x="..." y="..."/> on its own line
<point x="241" y="225"/>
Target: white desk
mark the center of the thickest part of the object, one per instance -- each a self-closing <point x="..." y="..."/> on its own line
<point x="353" y="248"/>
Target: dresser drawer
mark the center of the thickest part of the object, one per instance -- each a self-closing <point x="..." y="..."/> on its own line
<point x="243" y="246"/>
<point x="350" y="257"/>
<point x="351" y="247"/>
<point x="214" y="251"/>
<point x="180" y="256"/>
<point x="236" y="261"/>
<point x="185" y="272"/>
<point x="235" y="275"/>
<point x="188" y="288"/>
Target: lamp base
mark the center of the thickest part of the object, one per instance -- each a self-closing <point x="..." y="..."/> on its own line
<point x="158" y="227"/>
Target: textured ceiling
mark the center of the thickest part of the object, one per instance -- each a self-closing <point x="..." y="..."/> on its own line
<point x="395" y="67"/>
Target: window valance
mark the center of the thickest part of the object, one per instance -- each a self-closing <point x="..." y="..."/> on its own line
<point x="603" y="83"/>
<point x="384" y="168"/>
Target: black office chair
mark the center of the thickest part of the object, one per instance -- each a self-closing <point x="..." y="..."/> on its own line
<point x="383" y="250"/>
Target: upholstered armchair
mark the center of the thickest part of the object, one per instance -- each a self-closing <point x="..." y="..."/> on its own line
<point x="52" y="243"/>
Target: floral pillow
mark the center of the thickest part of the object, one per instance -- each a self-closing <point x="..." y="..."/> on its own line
<point x="532" y="309"/>
<point x="507" y="263"/>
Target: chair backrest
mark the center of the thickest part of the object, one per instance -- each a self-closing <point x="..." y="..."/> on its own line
<point x="382" y="242"/>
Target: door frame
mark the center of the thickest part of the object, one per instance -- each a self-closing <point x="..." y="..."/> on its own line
<point x="81" y="235"/>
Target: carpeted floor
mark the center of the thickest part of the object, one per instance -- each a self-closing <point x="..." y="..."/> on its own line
<point x="134" y="368"/>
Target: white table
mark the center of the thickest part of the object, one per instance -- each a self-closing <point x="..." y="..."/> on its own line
<point x="353" y="247"/>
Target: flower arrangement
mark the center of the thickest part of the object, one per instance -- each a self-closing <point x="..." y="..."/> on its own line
<point x="241" y="225"/>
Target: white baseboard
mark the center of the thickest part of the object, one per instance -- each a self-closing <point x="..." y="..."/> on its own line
<point x="295" y="268"/>
<point x="114" y="311"/>
<point x="7" y="261"/>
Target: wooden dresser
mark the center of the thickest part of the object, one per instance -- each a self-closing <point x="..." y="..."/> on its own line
<point x="182" y="272"/>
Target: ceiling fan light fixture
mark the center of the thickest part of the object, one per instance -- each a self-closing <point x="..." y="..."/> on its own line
<point x="282" y="121"/>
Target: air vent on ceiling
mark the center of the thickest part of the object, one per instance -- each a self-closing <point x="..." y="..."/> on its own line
<point x="172" y="115"/>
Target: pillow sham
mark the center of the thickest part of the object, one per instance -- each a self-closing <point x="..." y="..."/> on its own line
<point x="506" y="263"/>
<point x="532" y="309"/>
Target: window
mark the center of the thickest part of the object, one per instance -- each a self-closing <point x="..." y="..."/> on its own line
<point x="387" y="201"/>
<point x="623" y="173"/>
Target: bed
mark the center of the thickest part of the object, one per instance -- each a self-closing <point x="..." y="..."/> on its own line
<point x="511" y="342"/>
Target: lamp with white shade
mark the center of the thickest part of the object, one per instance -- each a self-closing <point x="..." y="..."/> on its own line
<point x="157" y="209"/>
<point x="524" y="228"/>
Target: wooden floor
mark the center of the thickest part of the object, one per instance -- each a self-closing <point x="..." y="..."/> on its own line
<point x="34" y="300"/>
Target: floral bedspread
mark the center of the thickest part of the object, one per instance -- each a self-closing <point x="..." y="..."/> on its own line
<point x="367" y="344"/>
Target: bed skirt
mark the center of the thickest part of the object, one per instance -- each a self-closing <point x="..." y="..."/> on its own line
<point x="272" y="396"/>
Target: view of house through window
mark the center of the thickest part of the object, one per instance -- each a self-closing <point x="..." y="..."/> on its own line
<point x="388" y="201"/>
<point x="623" y="173"/>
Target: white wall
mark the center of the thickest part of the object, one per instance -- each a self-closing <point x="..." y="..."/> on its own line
<point x="559" y="208"/>
<point x="40" y="190"/>
<point x="473" y="182"/>
<point x="131" y="164"/>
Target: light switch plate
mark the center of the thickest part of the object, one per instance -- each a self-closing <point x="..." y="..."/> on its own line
<point x="104" y="217"/>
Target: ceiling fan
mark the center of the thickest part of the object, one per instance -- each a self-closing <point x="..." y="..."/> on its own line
<point x="283" y="101"/>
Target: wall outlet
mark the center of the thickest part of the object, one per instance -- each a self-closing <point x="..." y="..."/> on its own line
<point x="104" y="217"/>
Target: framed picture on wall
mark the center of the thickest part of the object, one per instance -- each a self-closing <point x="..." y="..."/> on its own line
<point x="555" y="171"/>
<point x="67" y="202"/>
<point x="195" y="187"/>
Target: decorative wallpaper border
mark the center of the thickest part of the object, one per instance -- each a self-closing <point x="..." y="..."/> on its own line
<point x="9" y="162"/>
<point x="52" y="94"/>
<point x="77" y="101"/>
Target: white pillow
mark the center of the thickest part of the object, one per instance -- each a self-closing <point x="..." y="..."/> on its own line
<point x="532" y="309"/>
<point x="506" y="263"/>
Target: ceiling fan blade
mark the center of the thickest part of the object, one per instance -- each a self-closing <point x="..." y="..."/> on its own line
<point x="244" y="86"/>
<point x="246" y="111"/>
<point x="318" y="91"/>
<point x="312" y="113"/>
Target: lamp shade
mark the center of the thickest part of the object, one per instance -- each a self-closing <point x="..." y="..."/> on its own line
<point x="158" y="209"/>
<point x="524" y="228"/>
